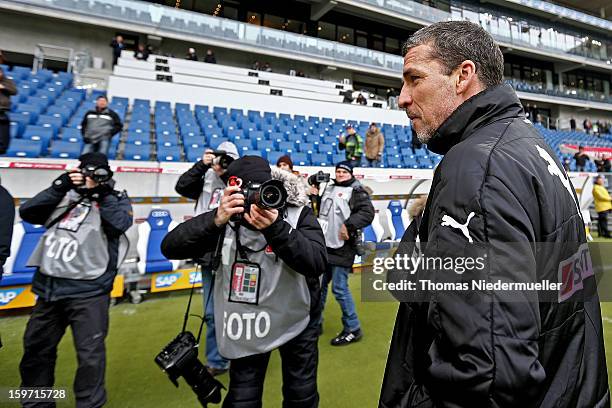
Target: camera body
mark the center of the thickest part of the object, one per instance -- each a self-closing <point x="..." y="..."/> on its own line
<point x="99" y="174"/>
<point x="180" y="359"/>
<point x="318" y="178"/>
<point x="222" y="158"/>
<point x="268" y="195"/>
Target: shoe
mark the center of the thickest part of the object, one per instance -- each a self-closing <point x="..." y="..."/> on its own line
<point x="216" y="371"/>
<point x="345" y="338"/>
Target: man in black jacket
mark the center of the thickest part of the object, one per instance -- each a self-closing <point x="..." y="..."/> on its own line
<point x="99" y="126"/>
<point x="499" y="187"/>
<point x="344" y="209"/>
<point x="77" y="261"/>
<point x="7" y="89"/>
<point x="204" y="183"/>
<point x="267" y="291"/>
<point x="7" y="217"/>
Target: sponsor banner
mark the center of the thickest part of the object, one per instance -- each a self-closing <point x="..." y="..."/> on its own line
<point x="181" y="279"/>
<point x="129" y="169"/>
<point x="37" y="165"/>
<point x="592" y="152"/>
<point x="14" y="297"/>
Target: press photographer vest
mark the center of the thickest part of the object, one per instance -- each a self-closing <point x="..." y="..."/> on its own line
<point x="334" y="211"/>
<point x="283" y="308"/>
<point x="76" y="246"/>
<point x="211" y="193"/>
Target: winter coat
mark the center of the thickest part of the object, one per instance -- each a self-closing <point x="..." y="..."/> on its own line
<point x="374" y="144"/>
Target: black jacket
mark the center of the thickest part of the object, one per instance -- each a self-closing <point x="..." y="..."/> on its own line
<point x="472" y="349"/>
<point x="7" y="217"/>
<point x="362" y="215"/>
<point x="116" y="126"/>
<point x="116" y="214"/>
<point x="302" y="249"/>
<point x="191" y="183"/>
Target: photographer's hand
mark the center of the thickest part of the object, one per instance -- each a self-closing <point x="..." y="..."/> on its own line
<point x="208" y="157"/>
<point x="76" y="177"/>
<point x="313" y="190"/>
<point x="260" y="218"/>
<point x="230" y="204"/>
<point x="343" y="235"/>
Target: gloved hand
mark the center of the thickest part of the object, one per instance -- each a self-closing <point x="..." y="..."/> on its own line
<point x="99" y="192"/>
<point x="63" y="183"/>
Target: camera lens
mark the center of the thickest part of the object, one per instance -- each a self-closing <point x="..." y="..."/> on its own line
<point x="272" y="195"/>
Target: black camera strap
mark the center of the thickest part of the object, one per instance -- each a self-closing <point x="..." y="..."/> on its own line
<point x="241" y="249"/>
<point x="202" y="320"/>
<point x="70" y="207"/>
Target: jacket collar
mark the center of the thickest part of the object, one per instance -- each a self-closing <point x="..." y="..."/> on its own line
<point x="493" y="103"/>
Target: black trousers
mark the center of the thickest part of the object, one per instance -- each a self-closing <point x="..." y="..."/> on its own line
<point x="88" y="319"/>
<point x="5" y="127"/>
<point x="602" y="224"/>
<point x="299" y="358"/>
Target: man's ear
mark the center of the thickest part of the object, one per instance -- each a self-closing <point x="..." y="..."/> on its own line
<point x="467" y="81"/>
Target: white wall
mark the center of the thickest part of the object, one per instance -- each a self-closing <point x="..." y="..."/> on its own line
<point x="194" y="95"/>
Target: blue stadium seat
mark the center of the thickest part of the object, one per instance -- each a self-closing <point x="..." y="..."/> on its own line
<point x="394" y="161"/>
<point x="194" y="141"/>
<point x="300" y="159"/>
<point x="167" y="140"/>
<point x="168" y="153"/>
<point x="307" y="148"/>
<point x="327" y="149"/>
<point x="274" y="156"/>
<point x="338" y="157"/>
<point x="244" y="144"/>
<point x="320" y="159"/>
<point x="25" y="148"/>
<point x="137" y="152"/>
<point x="251" y="153"/>
<point x="265" y="145"/>
<point x="24" y="241"/>
<point x="136" y="138"/>
<point x="216" y="141"/>
<point x="71" y="135"/>
<point x="150" y="235"/>
<point x="397" y="219"/>
<point x="375" y="231"/>
<point x="43" y="134"/>
<point x="65" y="150"/>
<point x="288" y="147"/>
<point x="52" y="122"/>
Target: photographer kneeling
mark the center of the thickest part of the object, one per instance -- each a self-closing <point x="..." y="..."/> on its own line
<point x="268" y="260"/>
<point x="76" y="262"/>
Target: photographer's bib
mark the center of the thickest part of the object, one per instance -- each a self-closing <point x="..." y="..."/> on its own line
<point x="212" y="192"/>
<point x="76" y="246"/>
<point x="260" y="303"/>
<point x="333" y="212"/>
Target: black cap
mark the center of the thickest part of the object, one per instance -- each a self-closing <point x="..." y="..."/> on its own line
<point x="93" y="159"/>
<point x="250" y="168"/>
<point x="345" y="165"/>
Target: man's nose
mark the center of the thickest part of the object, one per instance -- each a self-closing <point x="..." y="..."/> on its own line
<point x="405" y="98"/>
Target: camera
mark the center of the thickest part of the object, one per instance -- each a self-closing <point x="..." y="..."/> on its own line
<point x="268" y="195"/>
<point x="180" y="359"/>
<point x="318" y="178"/>
<point x="99" y="174"/>
<point x="222" y="158"/>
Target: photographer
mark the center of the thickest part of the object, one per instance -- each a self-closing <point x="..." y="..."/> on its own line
<point x="76" y="262"/>
<point x="203" y="183"/>
<point x="280" y="254"/>
<point x="344" y="208"/>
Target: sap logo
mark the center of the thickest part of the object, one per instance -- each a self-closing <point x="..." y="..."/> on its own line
<point x="165" y="281"/>
<point x="573" y="271"/>
<point x="195" y="277"/>
<point x="63" y="247"/>
<point x="158" y="214"/>
<point x="237" y="326"/>
<point x="7" y="295"/>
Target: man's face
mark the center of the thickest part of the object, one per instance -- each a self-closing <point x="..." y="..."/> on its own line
<point x="599" y="180"/>
<point x="119" y="39"/>
<point x="284" y="166"/>
<point x="101" y="103"/>
<point x="427" y="95"/>
<point x="342" y="175"/>
<point x="350" y="131"/>
<point x="372" y="128"/>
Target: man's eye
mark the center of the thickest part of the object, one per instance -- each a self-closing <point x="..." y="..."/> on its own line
<point x="414" y="78"/>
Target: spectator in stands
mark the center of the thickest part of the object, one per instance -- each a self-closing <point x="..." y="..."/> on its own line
<point x="352" y="144"/>
<point x="256" y="66"/>
<point x="603" y="164"/>
<point x="118" y="46"/>
<point x="348" y="96"/>
<point x="374" y="145"/>
<point x="300" y="74"/>
<point x="99" y="126"/>
<point x="567" y="164"/>
<point x="392" y="95"/>
<point x="7" y="89"/>
<point x="285" y="163"/>
<point x="344" y="209"/>
<point x="499" y="187"/>
<point x="210" y="57"/>
<point x="587" y="126"/>
<point x="141" y="53"/>
<point x="205" y="183"/>
<point x="267" y="67"/>
<point x="7" y="217"/>
<point x="191" y="55"/>
<point x="603" y="205"/>
<point x="283" y="252"/>
<point x="573" y="124"/>
<point x="76" y="264"/>
<point x="581" y="159"/>
<point x="361" y="100"/>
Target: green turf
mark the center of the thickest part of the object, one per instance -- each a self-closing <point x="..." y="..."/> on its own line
<point x="347" y="375"/>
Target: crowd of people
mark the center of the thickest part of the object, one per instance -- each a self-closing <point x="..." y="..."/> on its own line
<point x="599" y="128"/>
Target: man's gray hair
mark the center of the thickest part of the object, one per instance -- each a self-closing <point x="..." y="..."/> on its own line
<point x="453" y="42"/>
